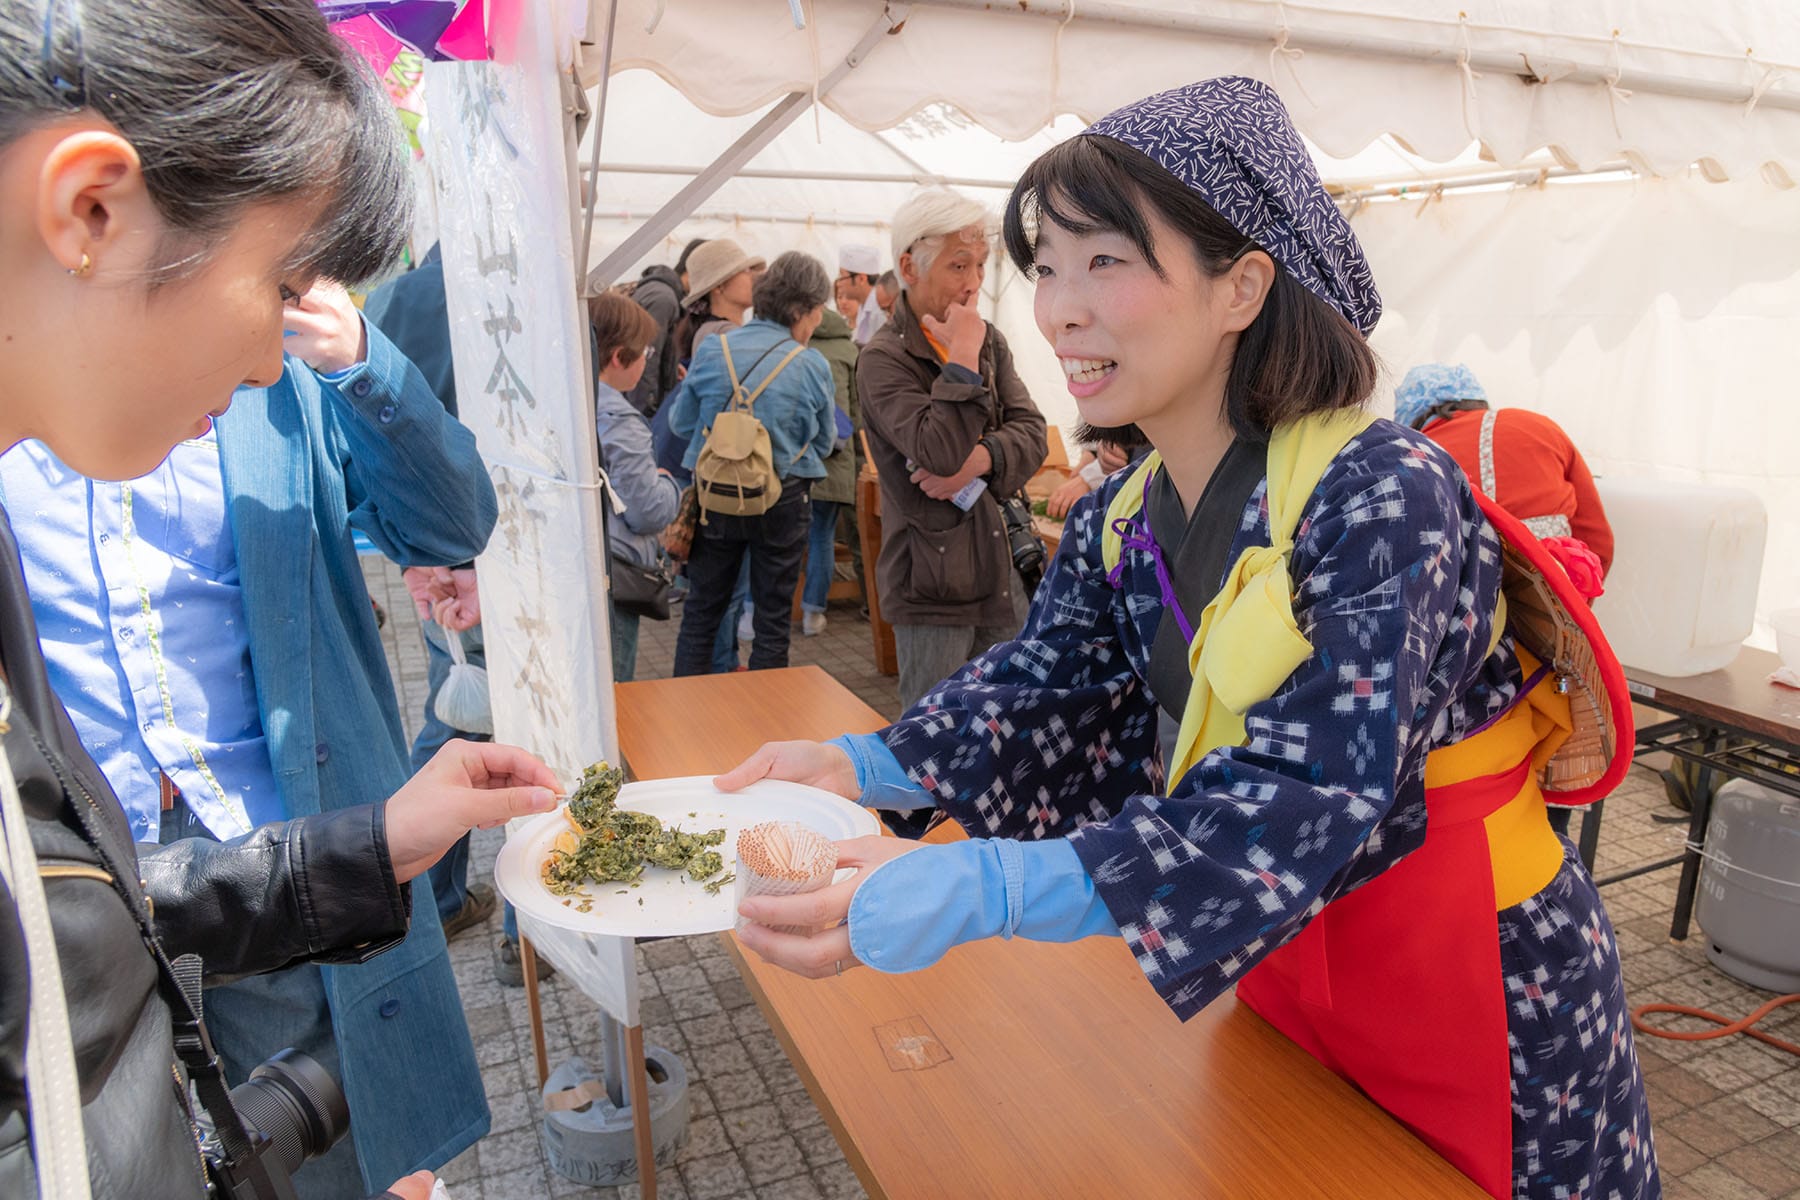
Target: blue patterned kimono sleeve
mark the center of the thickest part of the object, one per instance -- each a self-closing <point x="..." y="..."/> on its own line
<point x="1397" y="574"/>
<point x="1039" y="735"/>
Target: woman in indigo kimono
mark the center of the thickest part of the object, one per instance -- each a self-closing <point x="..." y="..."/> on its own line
<point x="1356" y="739"/>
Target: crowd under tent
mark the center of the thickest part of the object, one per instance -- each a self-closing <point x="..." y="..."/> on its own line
<point x="1591" y="205"/>
<point x="1587" y="205"/>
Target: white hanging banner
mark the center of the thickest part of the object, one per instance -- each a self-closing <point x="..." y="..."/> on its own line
<point x="500" y="155"/>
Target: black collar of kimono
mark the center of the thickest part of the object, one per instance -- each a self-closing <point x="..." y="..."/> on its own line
<point x="1197" y="550"/>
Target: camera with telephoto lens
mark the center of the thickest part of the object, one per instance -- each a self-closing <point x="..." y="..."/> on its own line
<point x="292" y="1110"/>
<point x="1022" y="540"/>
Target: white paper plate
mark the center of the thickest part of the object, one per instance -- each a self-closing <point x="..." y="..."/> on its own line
<point x="668" y="903"/>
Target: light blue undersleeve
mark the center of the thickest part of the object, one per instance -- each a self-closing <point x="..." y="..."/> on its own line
<point x="912" y="909"/>
<point x="879" y="775"/>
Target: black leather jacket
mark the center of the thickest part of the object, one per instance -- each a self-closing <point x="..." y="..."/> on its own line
<point x="319" y="889"/>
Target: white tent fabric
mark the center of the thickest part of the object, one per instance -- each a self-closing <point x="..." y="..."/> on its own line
<point x="1664" y="365"/>
<point x="818" y="211"/>
<point x="1660" y="83"/>
<point x="823" y="183"/>
<point x="1654" y="319"/>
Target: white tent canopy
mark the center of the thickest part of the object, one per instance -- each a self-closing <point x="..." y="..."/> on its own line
<point x="1670" y="364"/>
<point x="823" y="183"/>
<point x="1659" y="83"/>
<point x="1649" y="315"/>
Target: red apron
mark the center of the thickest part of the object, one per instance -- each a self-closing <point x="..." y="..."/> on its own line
<point x="1397" y="986"/>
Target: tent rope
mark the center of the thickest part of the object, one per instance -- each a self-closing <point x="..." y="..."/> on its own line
<point x="1290" y="54"/>
<point x="1471" y="107"/>
<point x="1056" y="53"/>
<point x="1615" y="93"/>
<point x="1770" y="77"/>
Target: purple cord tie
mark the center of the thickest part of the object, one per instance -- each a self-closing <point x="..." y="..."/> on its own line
<point x="1537" y="677"/>
<point x="1136" y="535"/>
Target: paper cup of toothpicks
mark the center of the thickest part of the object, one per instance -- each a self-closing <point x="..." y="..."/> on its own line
<point x="782" y="858"/>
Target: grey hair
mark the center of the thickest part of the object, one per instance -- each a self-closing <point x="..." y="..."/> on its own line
<point x="793" y="286"/>
<point x="228" y="104"/>
<point x="924" y="225"/>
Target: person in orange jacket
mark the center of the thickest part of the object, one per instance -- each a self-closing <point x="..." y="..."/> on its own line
<point x="1522" y="459"/>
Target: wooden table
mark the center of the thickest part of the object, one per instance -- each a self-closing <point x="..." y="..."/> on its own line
<point x="1018" y="1069"/>
<point x="1732" y="721"/>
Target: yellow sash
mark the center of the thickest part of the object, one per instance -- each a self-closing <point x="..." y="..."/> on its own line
<point x="1258" y="645"/>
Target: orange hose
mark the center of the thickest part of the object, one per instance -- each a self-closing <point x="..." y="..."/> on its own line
<point x="1741" y="1025"/>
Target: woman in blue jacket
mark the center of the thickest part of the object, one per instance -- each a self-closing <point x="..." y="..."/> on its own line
<point x="211" y="634"/>
<point x="795" y="405"/>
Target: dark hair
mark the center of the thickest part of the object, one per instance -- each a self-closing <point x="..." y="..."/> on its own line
<point x="687" y="252"/>
<point x="888" y="280"/>
<point x="793" y="286"/>
<point x="1300" y="355"/>
<point x="1448" y="408"/>
<point x="227" y="104"/>
<point x="620" y="324"/>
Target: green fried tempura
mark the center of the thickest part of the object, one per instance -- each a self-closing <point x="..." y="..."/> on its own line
<point x="614" y="845"/>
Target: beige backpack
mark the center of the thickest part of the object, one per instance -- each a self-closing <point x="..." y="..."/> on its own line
<point x="735" y="471"/>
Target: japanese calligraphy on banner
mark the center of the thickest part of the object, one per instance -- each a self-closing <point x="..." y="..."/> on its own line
<point x="499" y="154"/>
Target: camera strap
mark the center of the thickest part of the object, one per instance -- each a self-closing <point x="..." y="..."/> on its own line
<point x="180" y="987"/>
<point x="52" y="1083"/>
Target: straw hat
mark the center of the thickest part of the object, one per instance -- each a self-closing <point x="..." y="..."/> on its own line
<point x="714" y="263"/>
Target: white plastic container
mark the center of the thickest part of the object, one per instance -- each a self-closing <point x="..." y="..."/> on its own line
<point x="1687" y="559"/>
<point x="1787" y="636"/>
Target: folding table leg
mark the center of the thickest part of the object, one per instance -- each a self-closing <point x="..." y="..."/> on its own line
<point x="528" y="964"/>
<point x="1696" y="841"/>
<point x="640" y="1110"/>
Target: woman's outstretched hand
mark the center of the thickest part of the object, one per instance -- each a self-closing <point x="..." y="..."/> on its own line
<point x="813" y="763"/>
<point x="827" y="952"/>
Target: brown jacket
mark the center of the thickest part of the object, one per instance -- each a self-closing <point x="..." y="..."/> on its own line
<point x="940" y="565"/>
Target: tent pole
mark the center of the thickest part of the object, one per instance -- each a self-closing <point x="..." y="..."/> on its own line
<point x="923" y="179"/>
<point x="1427" y="187"/>
<point x="595" y="130"/>
<point x="735" y="156"/>
<point x="734" y="215"/>
<point x="1447" y="53"/>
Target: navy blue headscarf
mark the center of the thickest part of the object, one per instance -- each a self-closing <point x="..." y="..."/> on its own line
<point x="1231" y="140"/>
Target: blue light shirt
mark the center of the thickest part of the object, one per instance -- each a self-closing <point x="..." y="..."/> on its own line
<point x="911" y="910"/>
<point x="138" y="605"/>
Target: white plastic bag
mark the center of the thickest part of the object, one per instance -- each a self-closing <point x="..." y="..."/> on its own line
<point x="462" y="703"/>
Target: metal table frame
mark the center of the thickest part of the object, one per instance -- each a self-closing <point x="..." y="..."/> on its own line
<point x="1716" y="746"/>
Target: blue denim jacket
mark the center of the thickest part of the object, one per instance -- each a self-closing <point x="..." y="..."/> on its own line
<point x="796" y="408"/>
<point x="305" y="461"/>
<point x="651" y="498"/>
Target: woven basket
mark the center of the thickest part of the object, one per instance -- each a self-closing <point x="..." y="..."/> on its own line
<point x="1550" y="618"/>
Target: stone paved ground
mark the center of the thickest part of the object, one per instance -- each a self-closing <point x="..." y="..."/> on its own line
<point x="1727" y="1113"/>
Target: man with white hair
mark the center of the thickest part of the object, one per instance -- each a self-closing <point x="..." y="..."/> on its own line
<point x="952" y="431"/>
<point x="857" y="268"/>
